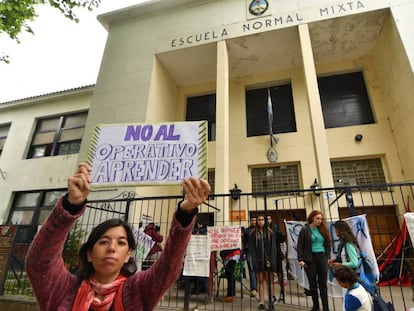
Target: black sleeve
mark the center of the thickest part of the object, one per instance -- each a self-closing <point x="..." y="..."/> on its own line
<point x="300" y="244"/>
<point x="183" y="217"/>
<point x="280" y="236"/>
<point x="71" y="208"/>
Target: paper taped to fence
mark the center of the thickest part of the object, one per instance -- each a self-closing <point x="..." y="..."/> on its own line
<point x="224" y="237"/>
<point x="143" y="246"/>
<point x="197" y="257"/>
<point x="148" y="154"/>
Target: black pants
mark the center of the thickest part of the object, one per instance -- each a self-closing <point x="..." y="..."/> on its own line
<point x="317" y="273"/>
<point x="231" y="280"/>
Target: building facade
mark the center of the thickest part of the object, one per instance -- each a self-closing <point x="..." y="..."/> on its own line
<point x="337" y="74"/>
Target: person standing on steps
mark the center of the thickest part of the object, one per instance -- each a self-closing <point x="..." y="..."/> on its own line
<point x="252" y="276"/>
<point x="262" y="245"/>
<point x="313" y="248"/>
<point x="280" y="238"/>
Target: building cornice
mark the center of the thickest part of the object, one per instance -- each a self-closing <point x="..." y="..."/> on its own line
<point x="145" y="9"/>
<point x="48" y="97"/>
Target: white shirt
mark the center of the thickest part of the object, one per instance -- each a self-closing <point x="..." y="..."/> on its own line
<point x="358" y="299"/>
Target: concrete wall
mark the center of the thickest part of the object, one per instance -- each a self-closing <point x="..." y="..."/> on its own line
<point x="41" y="173"/>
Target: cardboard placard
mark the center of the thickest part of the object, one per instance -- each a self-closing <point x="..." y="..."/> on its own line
<point x="147" y="154"/>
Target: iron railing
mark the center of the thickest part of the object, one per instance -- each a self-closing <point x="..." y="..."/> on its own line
<point x="384" y="206"/>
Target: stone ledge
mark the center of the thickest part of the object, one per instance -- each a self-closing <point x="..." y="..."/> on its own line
<point x="17" y="303"/>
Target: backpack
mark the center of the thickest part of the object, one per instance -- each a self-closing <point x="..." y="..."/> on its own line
<point x="367" y="279"/>
<point x="366" y="275"/>
<point x="381" y="305"/>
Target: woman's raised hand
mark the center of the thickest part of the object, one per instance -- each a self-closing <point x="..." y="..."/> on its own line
<point x="79" y="184"/>
<point x="196" y="192"/>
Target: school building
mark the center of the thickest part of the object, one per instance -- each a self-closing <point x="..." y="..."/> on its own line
<point x="338" y="75"/>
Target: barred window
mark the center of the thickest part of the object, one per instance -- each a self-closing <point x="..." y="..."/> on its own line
<point x="358" y="172"/>
<point x="32" y="208"/>
<point x="58" y="135"/>
<point x="283" y="178"/>
<point x="4" y="131"/>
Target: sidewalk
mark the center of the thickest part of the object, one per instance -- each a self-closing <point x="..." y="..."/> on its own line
<point x="294" y="300"/>
<point x="234" y="306"/>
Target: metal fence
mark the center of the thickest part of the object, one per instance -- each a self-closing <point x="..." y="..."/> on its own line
<point x="384" y="206"/>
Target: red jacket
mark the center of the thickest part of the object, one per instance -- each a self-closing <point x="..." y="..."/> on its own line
<point x="55" y="288"/>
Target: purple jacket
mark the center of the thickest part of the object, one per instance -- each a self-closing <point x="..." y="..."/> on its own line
<point x="55" y="288"/>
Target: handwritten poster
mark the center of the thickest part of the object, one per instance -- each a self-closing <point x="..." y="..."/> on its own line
<point x="197" y="258"/>
<point x="147" y="154"/>
<point x="143" y="247"/>
<point x="224" y="237"/>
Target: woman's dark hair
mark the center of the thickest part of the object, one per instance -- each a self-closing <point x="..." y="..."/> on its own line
<point x="256" y="230"/>
<point x="344" y="232"/>
<point x="322" y="228"/>
<point x="86" y="268"/>
<point x="346" y="275"/>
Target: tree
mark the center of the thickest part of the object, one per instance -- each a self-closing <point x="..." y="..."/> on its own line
<point x="73" y="244"/>
<point x="15" y="14"/>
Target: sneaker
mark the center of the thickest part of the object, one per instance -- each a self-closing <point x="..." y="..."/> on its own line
<point x="261" y="307"/>
<point x="274" y="300"/>
<point x="282" y="297"/>
<point x="253" y="293"/>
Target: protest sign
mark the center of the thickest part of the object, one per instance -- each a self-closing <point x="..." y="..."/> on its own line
<point x="147" y="154"/>
<point x="197" y="258"/>
<point x="143" y="247"/>
<point x="224" y="237"/>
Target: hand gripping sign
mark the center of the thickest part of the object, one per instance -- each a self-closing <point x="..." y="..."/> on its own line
<point x="147" y="154"/>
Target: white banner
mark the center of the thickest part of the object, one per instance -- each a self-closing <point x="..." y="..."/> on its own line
<point x="360" y="229"/>
<point x="409" y="221"/>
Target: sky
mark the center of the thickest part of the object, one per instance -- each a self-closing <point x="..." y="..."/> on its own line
<point x="61" y="55"/>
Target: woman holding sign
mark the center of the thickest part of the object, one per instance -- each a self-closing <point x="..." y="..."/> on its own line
<point x="107" y="278"/>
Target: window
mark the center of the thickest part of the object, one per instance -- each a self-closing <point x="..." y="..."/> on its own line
<point x="344" y="100"/>
<point x="58" y="135"/>
<point x="32" y="208"/>
<point x="358" y="172"/>
<point x="283" y="112"/>
<point x="4" y="130"/>
<point x="203" y="108"/>
<point x="276" y="178"/>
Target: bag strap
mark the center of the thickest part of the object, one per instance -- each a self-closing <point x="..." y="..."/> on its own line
<point x="360" y="254"/>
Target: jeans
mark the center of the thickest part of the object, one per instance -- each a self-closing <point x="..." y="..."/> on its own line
<point x="252" y="275"/>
